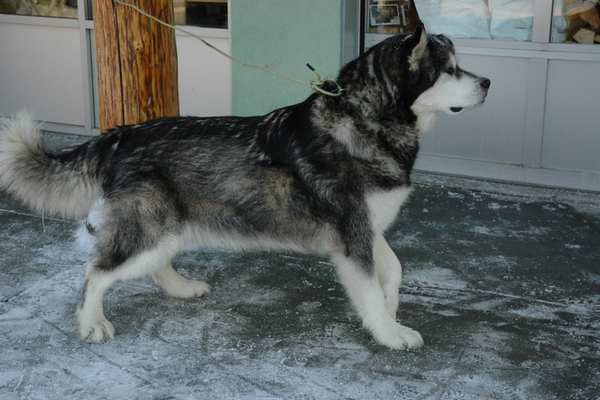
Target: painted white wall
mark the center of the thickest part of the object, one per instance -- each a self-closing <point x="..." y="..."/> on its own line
<point x="40" y="69"/>
<point x="572" y="125"/>
<point x="204" y="75"/>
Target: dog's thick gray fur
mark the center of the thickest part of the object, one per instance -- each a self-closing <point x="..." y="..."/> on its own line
<point x="326" y="176"/>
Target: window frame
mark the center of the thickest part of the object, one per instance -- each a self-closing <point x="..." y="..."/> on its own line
<point x="540" y="40"/>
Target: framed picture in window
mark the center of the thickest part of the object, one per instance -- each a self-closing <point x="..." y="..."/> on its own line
<point x="390" y="16"/>
<point x="385" y="14"/>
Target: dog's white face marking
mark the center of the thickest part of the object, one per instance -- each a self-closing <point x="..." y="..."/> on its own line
<point x="450" y="92"/>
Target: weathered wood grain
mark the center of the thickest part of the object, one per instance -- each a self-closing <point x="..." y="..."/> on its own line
<point x="137" y="63"/>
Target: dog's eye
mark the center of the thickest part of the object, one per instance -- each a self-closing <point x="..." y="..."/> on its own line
<point x="450" y="71"/>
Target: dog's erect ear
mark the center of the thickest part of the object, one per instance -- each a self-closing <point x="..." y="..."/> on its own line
<point x="419" y="42"/>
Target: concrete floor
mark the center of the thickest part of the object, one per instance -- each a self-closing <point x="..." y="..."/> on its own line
<point x="505" y="289"/>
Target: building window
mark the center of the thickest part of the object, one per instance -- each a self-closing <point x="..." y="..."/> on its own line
<point x="576" y="21"/>
<point x="459" y="19"/>
<point x="202" y="13"/>
<point x="479" y="19"/>
<point x="40" y="8"/>
<point x="573" y="21"/>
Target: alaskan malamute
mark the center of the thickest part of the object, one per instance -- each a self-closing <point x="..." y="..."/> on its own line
<point x="324" y="176"/>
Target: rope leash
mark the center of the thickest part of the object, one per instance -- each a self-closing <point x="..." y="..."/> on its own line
<point x="318" y="85"/>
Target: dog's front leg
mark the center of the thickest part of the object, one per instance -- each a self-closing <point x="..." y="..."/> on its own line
<point x="366" y="294"/>
<point x="354" y="258"/>
<point x="357" y="272"/>
<point x="389" y="271"/>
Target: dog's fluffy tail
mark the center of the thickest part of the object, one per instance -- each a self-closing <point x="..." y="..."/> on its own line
<point x="63" y="183"/>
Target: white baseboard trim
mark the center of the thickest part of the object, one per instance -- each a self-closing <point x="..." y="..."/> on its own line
<point x="577" y="180"/>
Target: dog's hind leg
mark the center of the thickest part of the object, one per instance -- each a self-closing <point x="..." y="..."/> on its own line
<point x="101" y="274"/>
<point x="389" y="271"/>
<point x="93" y="325"/>
<point x="176" y="285"/>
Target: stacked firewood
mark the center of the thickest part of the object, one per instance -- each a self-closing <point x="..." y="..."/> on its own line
<point x="584" y="21"/>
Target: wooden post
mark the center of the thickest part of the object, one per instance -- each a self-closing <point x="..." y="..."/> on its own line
<point x="137" y="63"/>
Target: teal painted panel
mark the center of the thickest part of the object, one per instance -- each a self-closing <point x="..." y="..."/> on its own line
<point x="285" y="34"/>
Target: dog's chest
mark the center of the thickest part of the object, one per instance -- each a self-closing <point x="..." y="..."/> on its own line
<point x="384" y="206"/>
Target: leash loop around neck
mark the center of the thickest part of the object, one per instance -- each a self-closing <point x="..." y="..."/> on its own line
<point x="322" y="85"/>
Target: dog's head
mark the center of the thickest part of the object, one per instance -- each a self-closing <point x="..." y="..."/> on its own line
<point x="416" y="72"/>
<point x="442" y="84"/>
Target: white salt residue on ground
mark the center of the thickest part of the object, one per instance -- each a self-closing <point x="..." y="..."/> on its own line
<point x="245" y="291"/>
<point x="586" y="202"/>
<point x="65" y="254"/>
<point x="486" y="346"/>
<point x="490" y="262"/>
<point x="259" y="297"/>
<point x="537" y="311"/>
<point x="489" y="305"/>
<point x="409" y="240"/>
<point x="485" y="385"/>
<point x="494" y="206"/>
<point x="532" y="231"/>
<point x="509" y="232"/>
<point x="309" y="344"/>
<point x="454" y="195"/>
<point x="309" y="306"/>
<point x="572" y="246"/>
<point x="447" y="313"/>
<point x="431" y="275"/>
<point x="14" y="313"/>
<point x="488" y="231"/>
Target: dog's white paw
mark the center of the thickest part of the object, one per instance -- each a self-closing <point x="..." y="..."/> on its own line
<point x="397" y="336"/>
<point x="176" y="285"/>
<point x="96" y="331"/>
<point x="187" y="288"/>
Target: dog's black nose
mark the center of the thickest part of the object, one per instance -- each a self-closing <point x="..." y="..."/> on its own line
<point x="485" y="83"/>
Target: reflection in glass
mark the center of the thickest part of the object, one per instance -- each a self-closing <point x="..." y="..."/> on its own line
<point x="40" y="8"/>
<point x="576" y="21"/>
<point x="478" y="19"/>
<point x="203" y="13"/>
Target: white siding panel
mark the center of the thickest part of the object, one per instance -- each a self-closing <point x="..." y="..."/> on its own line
<point x="572" y="127"/>
<point x="40" y="69"/>
<point x="204" y="77"/>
